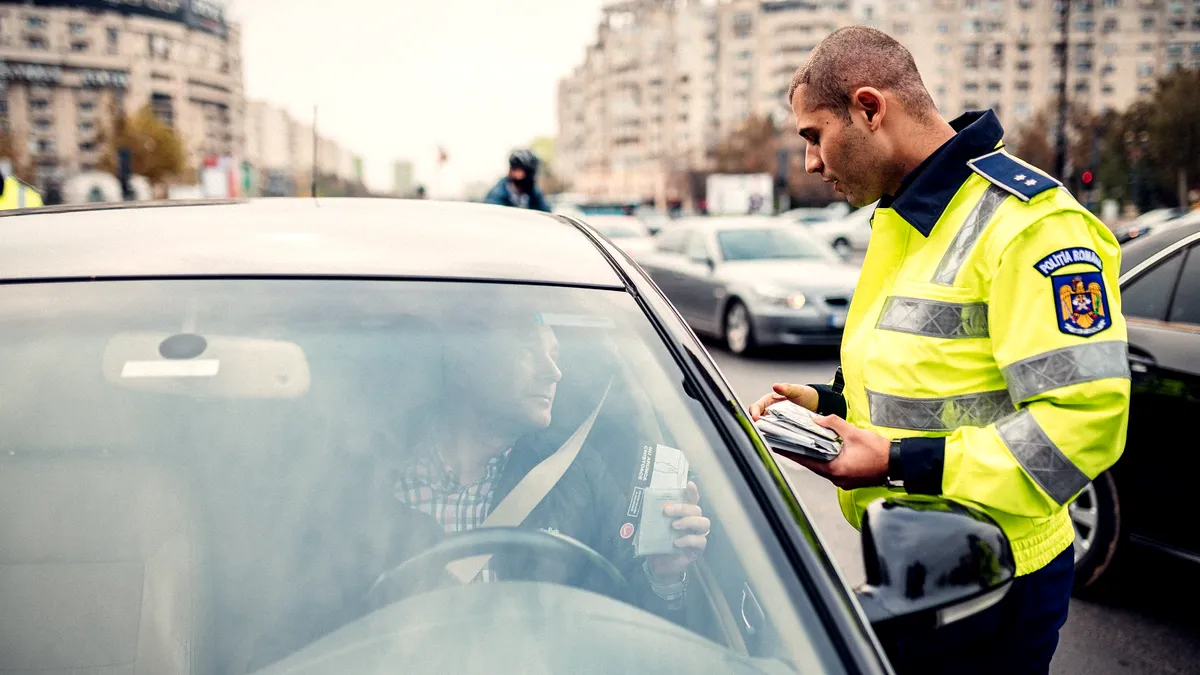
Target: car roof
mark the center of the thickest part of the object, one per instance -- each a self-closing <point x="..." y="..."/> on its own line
<point x="301" y="237"/>
<point x="1137" y="251"/>
<point x="715" y="223"/>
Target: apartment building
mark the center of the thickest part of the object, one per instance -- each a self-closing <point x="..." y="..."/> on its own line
<point x="734" y="58"/>
<point x="280" y="149"/>
<point x="65" y="65"/>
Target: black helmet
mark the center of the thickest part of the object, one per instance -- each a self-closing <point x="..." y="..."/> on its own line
<point x="524" y="160"/>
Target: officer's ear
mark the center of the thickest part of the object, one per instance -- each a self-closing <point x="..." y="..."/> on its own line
<point x="870" y="103"/>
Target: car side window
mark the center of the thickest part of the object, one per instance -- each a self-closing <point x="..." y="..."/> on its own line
<point x="672" y="242"/>
<point x="697" y="248"/>
<point x="1149" y="295"/>
<point x="1185" y="308"/>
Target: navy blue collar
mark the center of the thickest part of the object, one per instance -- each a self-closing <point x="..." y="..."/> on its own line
<point x="927" y="190"/>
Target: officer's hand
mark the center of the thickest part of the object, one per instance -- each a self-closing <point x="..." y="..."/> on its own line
<point x="800" y="394"/>
<point x="693" y="528"/>
<point x="863" y="461"/>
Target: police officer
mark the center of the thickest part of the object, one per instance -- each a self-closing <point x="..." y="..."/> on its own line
<point x="15" y="194"/>
<point x="984" y="356"/>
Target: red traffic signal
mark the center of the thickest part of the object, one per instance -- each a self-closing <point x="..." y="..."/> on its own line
<point x="1087" y="177"/>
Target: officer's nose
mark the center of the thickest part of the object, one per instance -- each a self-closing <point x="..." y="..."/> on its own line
<point x="812" y="159"/>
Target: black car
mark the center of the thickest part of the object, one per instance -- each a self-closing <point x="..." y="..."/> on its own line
<point x="1160" y="293"/>
<point x="216" y="418"/>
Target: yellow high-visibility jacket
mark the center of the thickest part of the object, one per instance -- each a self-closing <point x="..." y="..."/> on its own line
<point x="986" y="331"/>
<point x="18" y="195"/>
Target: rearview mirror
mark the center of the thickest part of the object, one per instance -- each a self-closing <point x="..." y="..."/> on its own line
<point x="206" y="365"/>
<point x="930" y="562"/>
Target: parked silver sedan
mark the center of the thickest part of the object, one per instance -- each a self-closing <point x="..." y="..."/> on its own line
<point x="753" y="282"/>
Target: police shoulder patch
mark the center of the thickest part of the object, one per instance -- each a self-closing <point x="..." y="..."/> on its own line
<point x="1082" y="302"/>
<point x="1012" y="175"/>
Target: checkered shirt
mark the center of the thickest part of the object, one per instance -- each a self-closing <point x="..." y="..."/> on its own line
<point x="431" y="488"/>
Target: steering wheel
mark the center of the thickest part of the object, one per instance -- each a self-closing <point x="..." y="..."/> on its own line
<point x="398" y="582"/>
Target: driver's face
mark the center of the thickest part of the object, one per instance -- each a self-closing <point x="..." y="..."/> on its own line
<point x="511" y="378"/>
<point x="516" y="174"/>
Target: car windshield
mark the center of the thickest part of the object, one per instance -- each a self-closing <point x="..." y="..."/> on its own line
<point x="769" y="244"/>
<point x="234" y="471"/>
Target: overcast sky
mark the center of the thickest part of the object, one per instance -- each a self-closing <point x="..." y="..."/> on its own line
<point x="395" y="78"/>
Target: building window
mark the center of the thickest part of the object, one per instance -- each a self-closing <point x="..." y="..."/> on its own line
<point x="943" y="27"/>
<point x="743" y="25"/>
<point x="1107" y="89"/>
<point x="42" y="124"/>
<point x="1145" y="70"/>
<point x="1145" y="47"/>
<point x="944" y="48"/>
<point x="1145" y="90"/>
<point x="1021" y="110"/>
<point x="970" y="87"/>
<point x="38" y="105"/>
<point x="1112" y="4"/>
<point x="1110" y="49"/>
<point x="1110" y="25"/>
<point x="1021" y="85"/>
<point x="114" y="40"/>
<point x="78" y="47"/>
<point x="1148" y="24"/>
<point x="86" y="127"/>
<point x="35" y="22"/>
<point x="900" y="29"/>
<point x="37" y="43"/>
<point x="87" y="146"/>
<point x="86" y="106"/>
<point x="1085" y="25"/>
<point x="993" y="87"/>
<point x="160" y="46"/>
<point x="1082" y="87"/>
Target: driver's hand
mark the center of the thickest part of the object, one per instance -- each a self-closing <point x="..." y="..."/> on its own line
<point x="694" y="527"/>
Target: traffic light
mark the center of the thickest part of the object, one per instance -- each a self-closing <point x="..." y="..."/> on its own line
<point x="1087" y="178"/>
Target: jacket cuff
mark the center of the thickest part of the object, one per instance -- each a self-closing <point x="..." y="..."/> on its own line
<point x="829" y="402"/>
<point x="922" y="461"/>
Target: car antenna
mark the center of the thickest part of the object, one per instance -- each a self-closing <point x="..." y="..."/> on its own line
<point x="316" y="144"/>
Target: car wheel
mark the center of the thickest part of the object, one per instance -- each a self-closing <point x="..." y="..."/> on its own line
<point x="1096" y="515"/>
<point x="739" y="329"/>
<point x="842" y="246"/>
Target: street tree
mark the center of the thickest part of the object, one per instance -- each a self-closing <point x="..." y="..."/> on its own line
<point x="156" y="151"/>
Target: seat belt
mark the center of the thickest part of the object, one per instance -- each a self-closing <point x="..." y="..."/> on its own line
<point x="530" y="491"/>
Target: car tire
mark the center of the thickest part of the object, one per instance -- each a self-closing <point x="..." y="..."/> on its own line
<point x="842" y="246"/>
<point x="738" y="328"/>
<point x="1096" y="516"/>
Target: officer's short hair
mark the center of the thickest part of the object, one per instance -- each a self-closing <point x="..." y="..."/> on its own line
<point x="859" y="56"/>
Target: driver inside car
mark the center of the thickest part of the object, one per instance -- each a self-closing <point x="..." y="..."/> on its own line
<point x="501" y="383"/>
<point x="456" y="459"/>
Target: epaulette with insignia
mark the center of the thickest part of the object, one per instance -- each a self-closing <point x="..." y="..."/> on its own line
<point x="1012" y="175"/>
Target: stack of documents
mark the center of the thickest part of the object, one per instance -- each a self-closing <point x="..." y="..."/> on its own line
<point x="791" y="430"/>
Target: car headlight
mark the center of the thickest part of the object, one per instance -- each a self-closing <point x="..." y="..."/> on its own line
<point x="778" y="295"/>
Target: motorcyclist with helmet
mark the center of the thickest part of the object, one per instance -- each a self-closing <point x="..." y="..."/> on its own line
<point x="519" y="188"/>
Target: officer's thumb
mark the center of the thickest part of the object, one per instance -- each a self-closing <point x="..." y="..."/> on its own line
<point x="800" y="394"/>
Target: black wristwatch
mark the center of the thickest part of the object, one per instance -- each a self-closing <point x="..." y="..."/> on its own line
<point x="895" y="474"/>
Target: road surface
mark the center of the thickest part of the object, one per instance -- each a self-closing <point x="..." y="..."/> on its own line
<point x="1148" y="625"/>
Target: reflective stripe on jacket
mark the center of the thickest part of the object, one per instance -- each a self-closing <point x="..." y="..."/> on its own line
<point x="18" y="195"/>
<point x="994" y="333"/>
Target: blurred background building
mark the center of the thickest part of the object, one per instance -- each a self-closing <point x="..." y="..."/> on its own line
<point x="67" y="67"/>
<point x="666" y="82"/>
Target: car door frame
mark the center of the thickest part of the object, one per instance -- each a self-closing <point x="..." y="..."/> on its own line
<point x="1158" y="353"/>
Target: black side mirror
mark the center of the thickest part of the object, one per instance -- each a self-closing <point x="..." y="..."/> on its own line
<point x="707" y="261"/>
<point x="930" y="562"/>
